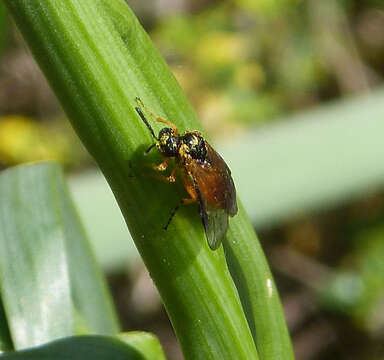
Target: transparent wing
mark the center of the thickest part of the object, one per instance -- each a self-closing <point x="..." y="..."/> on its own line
<point x="215" y="221"/>
<point x="216" y="227"/>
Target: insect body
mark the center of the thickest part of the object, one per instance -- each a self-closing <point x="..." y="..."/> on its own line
<point x="205" y="175"/>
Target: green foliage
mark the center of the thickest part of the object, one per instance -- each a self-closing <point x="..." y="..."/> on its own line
<point x="92" y="347"/>
<point x="228" y="51"/>
<point x="50" y="285"/>
<point x="334" y="134"/>
<point x="312" y="161"/>
<point x="46" y="268"/>
<point x="98" y="59"/>
<point x="5" y="337"/>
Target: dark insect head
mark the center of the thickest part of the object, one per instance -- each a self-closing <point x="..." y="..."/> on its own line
<point x="195" y="145"/>
<point x="168" y="143"/>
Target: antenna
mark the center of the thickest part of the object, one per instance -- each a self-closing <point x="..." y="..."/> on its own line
<point x="146" y="122"/>
<point x="150" y="148"/>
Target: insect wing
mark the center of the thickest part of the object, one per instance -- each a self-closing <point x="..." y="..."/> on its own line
<point x="222" y="186"/>
<point x="215" y="222"/>
<point x="216" y="195"/>
<point x="216" y="227"/>
<point x="214" y="180"/>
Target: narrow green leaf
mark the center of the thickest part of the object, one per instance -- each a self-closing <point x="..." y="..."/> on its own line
<point x="98" y="59"/>
<point x="257" y="290"/>
<point x="311" y="161"/>
<point x="285" y="150"/>
<point x="291" y="147"/>
<point x="5" y="337"/>
<point x="94" y="200"/>
<point x="144" y="342"/>
<point x="34" y="284"/>
<point x="85" y="347"/>
<point x="48" y="281"/>
<point x="88" y="289"/>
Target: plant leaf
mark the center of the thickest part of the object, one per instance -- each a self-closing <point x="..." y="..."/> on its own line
<point x="5" y="337"/>
<point x="49" y="282"/>
<point x="92" y="347"/>
<point x="144" y="342"/>
<point x="98" y="60"/>
<point x="310" y="161"/>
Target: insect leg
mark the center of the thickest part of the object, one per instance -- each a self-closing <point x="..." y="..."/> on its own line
<point x="171" y="124"/>
<point x="182" y="202"/>
<point x="160" y="167"/>
<point x="191" y="191"/>
<point x="171" y="178"/>
<point x="157" y="118"/>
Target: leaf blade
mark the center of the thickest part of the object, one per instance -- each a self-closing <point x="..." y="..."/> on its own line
<point x="93" y="347"/>
<point x="41" y="298"/>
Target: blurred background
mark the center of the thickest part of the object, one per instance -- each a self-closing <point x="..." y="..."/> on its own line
<point x="291" y="92"/>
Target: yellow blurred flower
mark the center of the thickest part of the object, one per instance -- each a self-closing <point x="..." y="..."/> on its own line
<point x="24" y="140"/>
<point x="221" y="48"/>
<point x="249" y="76"/>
